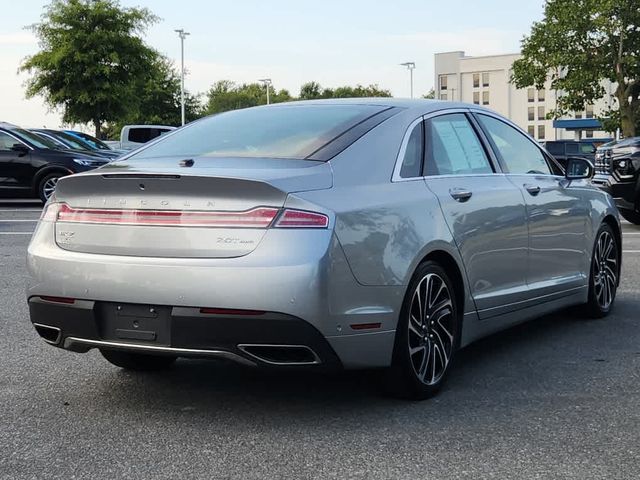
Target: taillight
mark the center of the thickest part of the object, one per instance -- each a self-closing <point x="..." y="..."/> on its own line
<point x="260" y="217"/>
<point x="301" y="219"/>
<point x="50" y="212"/>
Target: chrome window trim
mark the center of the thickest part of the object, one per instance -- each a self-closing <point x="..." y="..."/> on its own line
<point x="17" y="139"/>
<point x="405" y="140"/>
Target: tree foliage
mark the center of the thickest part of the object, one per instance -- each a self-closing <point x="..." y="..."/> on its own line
<point x="157" y="100"/>
<point x="577" y="45"/>
<point x="313" y="90"/>
<point x="226" y="95"/>
<point x="91" y="59"/>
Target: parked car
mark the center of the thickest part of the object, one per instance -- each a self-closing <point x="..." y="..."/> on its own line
<point x="133" y="136"/>
<point x="95" y="143"/>
<point x="30" y="165"/>
<point x="618" y="172"/>
<point x="565" y="149"/>
<point x="69" y="142"/>
<point x="357" y="233"/>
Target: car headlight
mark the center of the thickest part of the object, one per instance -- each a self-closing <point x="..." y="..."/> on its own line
<point x="88" y="163"/>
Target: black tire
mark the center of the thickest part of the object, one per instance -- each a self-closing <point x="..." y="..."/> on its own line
<point x="603" y="274"/>
<point x="45" y="183"/>
<point x="631" y="216"/>
<point x="138" y="361"/>
<point x="409" y="377"/>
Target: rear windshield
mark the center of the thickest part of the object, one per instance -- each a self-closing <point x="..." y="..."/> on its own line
<point x="292" y="131"/>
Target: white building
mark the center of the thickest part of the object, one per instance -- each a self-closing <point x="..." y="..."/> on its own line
<point x="485" y="81"/>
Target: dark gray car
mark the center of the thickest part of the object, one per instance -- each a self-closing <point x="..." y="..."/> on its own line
<point x="326" y="234"/>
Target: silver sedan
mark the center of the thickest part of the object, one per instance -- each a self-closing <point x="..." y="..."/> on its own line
<point x="363" y="233"/>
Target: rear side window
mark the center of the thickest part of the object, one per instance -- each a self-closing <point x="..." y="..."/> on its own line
<point x="572" y="148"/>
<point x="143" y="135"/>
<point x="412" y="161"/>
<point x="519" y="154"/>
<point x="279" y="131"/>
<point x="453" y="148"/>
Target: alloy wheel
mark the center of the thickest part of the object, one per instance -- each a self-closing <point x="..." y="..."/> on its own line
<point x="49" y="187"/>
<point x="431" y="328"/>
<point x="604" y="269"/>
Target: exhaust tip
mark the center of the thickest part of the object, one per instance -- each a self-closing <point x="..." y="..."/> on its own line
<point x="49" y="334"/>
<point x="282" y="354"/>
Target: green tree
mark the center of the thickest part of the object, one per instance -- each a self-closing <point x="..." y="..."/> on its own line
<point x="430" y="95"/>
<point x="577" y="45"/>
<point x="226" y="95"/>
<point x="157" y="99"/>
<point x="91" y="59"/>
<point x="310" y="91"/>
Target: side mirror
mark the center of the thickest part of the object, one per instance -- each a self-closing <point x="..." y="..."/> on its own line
<point x="579" y="169"/>
<point x="20" y="148"/>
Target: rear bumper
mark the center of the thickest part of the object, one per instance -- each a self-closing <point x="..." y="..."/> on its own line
<point x="305" y="279"/>
<point x="184" y="332"/>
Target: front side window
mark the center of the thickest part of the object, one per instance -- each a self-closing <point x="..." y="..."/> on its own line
<point x="519" y="154"/>
<point x="413" y="154"/>
<point x="7" y="142"/>
<point x="453" y="148"/>
<point x="291" y="131"/>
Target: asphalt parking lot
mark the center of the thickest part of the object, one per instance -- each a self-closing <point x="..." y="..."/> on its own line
<point x="555" y="398"/>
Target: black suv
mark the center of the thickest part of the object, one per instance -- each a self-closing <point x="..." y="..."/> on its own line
<point x="30" y="166"/>
<point x="618" y="172"/>
<point x="563" y="149"/>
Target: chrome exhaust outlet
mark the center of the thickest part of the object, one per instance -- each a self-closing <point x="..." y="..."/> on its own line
<point x="48" y="333"/>
<point x="281" y="354"/>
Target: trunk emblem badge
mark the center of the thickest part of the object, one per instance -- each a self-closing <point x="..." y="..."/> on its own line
<point x="186" y="163"/>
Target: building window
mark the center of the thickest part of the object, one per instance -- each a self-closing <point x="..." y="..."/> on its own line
<point x="443" y="82"/>
<point x="541" y="113"/>
<point x="476" y="98"/>
<point x="578" y="115"/>
<point x="589" y="111"/>
<point x="443" y="96"/>
<point x="476" y="80"/>
<point x="531" y="130"/>
<point x="485" y="98"/>
<point x="485" y="79"/>
<point x="541" y="95"/>
<point x="531" y="95"/>
<point x="540" y="132"/>
<point x="588" y="134"/>
<point x="531" y="114"/>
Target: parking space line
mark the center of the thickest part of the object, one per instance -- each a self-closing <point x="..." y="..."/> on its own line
<point x="630" y="251"/>
<point x="16" y="233"/>
<point x="19" y="220"/>
<point x="20" y="209"/>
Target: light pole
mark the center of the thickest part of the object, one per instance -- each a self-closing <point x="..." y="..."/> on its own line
<point x="182" y="34"/>
<point x="410" y="66"/>
<point x="267" y="83"/>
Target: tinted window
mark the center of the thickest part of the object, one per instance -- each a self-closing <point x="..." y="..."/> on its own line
<point x="412" y="161"/>
<point x="519" y="154"/>
<point x="7" y="142"/>
<point x="554" y="148"/>
<point x="34" y="139"/>
<point x="69" y="140"/>
<point x="587" y="148"/>
<point x="572" y="148"/>
<point x="92" y="141"/>
<point x="453" y="147"/>
<point x="291" y="131"/>
<point x="141" y="135"/>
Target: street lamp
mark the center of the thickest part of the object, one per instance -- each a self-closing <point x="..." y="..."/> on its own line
<point x="267" y="83"/>
<point x="182" y="34"/>
<point x="410" y="66"/>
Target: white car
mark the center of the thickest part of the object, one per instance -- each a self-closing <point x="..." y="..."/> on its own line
<point x="132" y="136"/>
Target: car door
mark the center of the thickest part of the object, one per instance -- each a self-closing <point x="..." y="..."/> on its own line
<point x="556" y="209"/>
<point x="483" y="209"/>
<point x="14" y="164"/>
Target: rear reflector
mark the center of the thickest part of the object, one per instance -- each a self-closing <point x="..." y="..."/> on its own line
<point x="229" y="311"/>
<point x="260" y="217"/>
<point x="365" y="326"/>
<point x="65" y="300"/>
<point x="302" y="219"/>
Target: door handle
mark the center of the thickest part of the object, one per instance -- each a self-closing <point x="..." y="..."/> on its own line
<point x="460" y="194"/>
<point x="532" y="189"/>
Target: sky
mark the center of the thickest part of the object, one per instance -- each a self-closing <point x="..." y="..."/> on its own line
<point x="292" y="42"/>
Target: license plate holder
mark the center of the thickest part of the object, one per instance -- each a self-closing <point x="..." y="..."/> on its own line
<point x="134" y="323"/>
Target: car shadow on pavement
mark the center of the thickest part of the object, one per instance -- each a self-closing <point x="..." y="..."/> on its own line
<point x="560" y="349"/>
